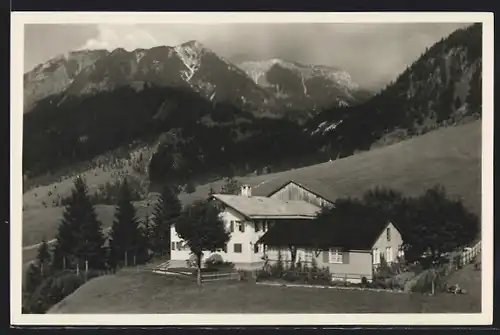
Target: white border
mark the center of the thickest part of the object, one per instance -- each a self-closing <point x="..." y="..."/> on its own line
<point x="18" y="19"/>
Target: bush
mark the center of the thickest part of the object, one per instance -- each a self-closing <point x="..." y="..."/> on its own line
<point x="291" y="276"/>
<point x="51" y="291"/>
<point x="218" y="264"/>
<point x="190" y="188"/>
<point x="263" y="275"/>
<point x="364" y="281"/>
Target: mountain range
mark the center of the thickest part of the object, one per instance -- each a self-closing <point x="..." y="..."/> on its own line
<point x="266" y="88"/>
<point x="203" y="116"/>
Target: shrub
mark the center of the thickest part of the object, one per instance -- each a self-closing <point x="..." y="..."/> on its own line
<point x="263" y="275"/>
<point x="52" y="290"/>
<point x="190" y="188"/>
<point x="364" y="281"/>
<point x="291" y="276"/>
<point x="218" y="264"/>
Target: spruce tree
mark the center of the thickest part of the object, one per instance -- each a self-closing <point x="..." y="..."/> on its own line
<point x="125" y="239"/>
<point x="33" y="280"/>
<point x="146" y="235"/>
<point x="167" y="209"/>
<point x="79" y="237"/>
<point x="43" y="257"/>
<point x="474" y="98"/>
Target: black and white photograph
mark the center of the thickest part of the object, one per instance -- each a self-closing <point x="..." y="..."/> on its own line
<point x="282" y="168"/>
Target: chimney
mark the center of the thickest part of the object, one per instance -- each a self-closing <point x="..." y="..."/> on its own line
<point x="246" y="191"/>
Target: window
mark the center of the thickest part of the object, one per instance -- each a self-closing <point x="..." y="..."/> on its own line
<point x="231" y="226"/>
<point x="241" y="226"/>
<point x="388" y="254"/>
<point x="376" y="256"/>
<point x="256" y="248"/>
<point x="237" y="248"/>
<point x="401" y="253"/>
<point x="308" y="255"/>
<point x="388" y="234"/>
<point x="257" y="226"/>
<point x="173" y="245"/>
<point x="335" y="256"/>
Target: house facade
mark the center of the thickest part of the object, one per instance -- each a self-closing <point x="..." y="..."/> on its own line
<point x="342" y="261"/>
<point x="350" y="251"/>
<point x="242" y="249"/>
<point x="247" y="218"/>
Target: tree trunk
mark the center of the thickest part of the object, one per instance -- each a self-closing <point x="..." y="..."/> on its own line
<point x="198" y="265"/>
<point x="293" y="256"/>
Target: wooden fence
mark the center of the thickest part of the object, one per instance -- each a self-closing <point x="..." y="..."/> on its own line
<point x="208" y="277"/>
<point x="457" y="260"/>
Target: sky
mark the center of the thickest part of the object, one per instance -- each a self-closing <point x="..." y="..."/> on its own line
<point x="373" y="53"/>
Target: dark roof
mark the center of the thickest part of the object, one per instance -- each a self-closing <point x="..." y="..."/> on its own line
<point x="359" y="233"/>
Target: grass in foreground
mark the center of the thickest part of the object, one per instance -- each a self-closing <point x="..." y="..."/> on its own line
<point x="147" y="293"/>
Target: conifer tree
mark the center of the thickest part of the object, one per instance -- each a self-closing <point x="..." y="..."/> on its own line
<point x="146" y="237"/>
<point x="43" y="257"/>
<point x="125" y="239"/>
<point x="33" y="280"/>
<point x="474" y="98"/>
<point x="167" y="209"/>
<point x="79" y="237"/>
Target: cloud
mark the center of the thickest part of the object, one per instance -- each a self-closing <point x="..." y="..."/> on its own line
<point x="128" y="37"/>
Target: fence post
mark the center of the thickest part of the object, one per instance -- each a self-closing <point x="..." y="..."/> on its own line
<point x="86" y="270"/>
<point x="77" y="268"/>
<point x="64" y="262"/>
<point x="126" y="259"/>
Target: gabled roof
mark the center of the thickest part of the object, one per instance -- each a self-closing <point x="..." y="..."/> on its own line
<point x="313" y="187"/>
<point x="316" y="187"/>
<point x="256" y="207"/>
<point x="350" y="235"/>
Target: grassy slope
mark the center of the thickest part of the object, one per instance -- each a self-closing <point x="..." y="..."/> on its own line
<point x="137" y="293"/>
<point x="450" y="156"/>
<point x="42" y="223"/>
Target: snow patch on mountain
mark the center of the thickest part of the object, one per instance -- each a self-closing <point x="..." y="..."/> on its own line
<point x="190" y="54"/>
<point x="325" y="127"/>
<point x="257" y="70"/>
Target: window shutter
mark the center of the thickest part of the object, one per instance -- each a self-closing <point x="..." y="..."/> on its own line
<point x="231" y="226"/>
<point x="242" y="225"/>
<point x="345" y="257"/>
<point x="326" y="256"/>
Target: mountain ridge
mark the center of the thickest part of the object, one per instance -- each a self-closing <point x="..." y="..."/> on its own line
<point x="190" y="64"/>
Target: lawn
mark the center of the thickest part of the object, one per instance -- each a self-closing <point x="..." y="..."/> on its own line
<point x="145" y="293"/>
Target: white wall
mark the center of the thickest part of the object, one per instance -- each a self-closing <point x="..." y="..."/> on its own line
<point x="396" y="241"/>
<point x="247" y="239"/>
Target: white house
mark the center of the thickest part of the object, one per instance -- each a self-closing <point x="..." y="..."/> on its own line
<point x="282" y="216"/>
<point x="247" y="218"/>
